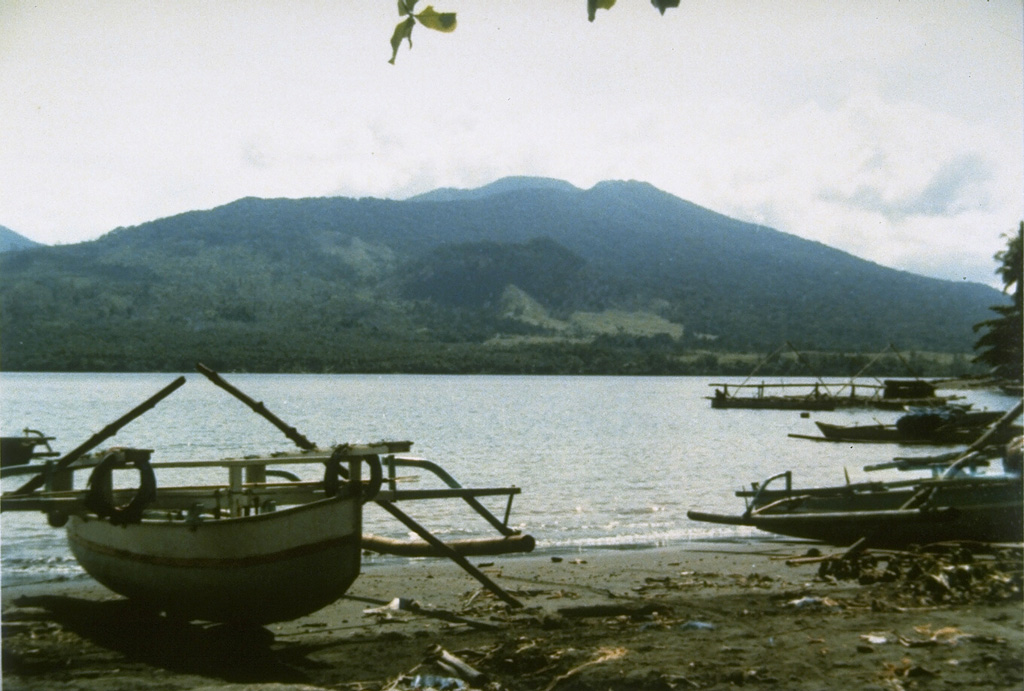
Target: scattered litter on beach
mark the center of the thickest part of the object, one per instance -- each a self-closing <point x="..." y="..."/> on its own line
<point x="815" y="603"/>
<point x="942" y="573"/>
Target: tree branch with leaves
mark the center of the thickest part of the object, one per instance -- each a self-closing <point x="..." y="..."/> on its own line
<point x="446" y="22"/>
<point x="430" y="18"/>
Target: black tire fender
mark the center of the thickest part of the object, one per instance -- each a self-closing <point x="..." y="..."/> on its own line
<point x="334" y="472"/>
<point x="97" y="499"/>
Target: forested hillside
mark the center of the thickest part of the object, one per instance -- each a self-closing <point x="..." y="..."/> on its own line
<point x="524" y="275"/>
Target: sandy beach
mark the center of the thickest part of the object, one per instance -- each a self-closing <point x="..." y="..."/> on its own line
<point x="704" y="616"/>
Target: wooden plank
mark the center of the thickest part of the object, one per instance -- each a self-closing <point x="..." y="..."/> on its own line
<point x="319" y="456"/>
<point x="184" y="497"/>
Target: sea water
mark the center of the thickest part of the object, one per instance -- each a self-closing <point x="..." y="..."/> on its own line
<point x="603" y="462"/>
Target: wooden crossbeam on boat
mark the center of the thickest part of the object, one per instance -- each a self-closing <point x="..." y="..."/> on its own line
<point x="188" y="497"/>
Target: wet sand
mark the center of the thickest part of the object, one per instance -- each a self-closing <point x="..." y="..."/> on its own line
<point x="704" y="616"/>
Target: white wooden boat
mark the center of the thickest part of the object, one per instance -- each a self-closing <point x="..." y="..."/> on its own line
<point x="246" y="552"/>
<point x="253" y="550"/>
<point x="265" y="546"/>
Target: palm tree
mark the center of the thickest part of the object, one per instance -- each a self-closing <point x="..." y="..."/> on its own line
<point x="1000" y="347"/>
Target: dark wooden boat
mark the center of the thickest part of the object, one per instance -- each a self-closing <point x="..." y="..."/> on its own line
<point x="724" y="400"/>
<point x="892" y="434"/>
<point x="926" y="426"/>
<point x="886" y="514"/>
<point x="24" y="449"/>
<point x="892" y="394"/>
<point x="952" y="504"/>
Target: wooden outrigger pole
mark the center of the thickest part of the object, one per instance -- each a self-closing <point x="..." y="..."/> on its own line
<point x="257" y="406"/>
<point x="304" y="443"/>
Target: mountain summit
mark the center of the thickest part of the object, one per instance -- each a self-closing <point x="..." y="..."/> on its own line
<point x="502" y="186"/>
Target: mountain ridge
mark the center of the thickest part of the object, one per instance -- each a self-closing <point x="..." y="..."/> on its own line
<point x="434" y="273"/>
<point x="10" y="241"/>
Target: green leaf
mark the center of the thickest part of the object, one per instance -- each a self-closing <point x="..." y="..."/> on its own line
<point x="405" y="7"/>
<point x="438" y="21"/>
<point x="402" y="32"/>
<point x="663" y="5"/>
<point x="594" y="5"/>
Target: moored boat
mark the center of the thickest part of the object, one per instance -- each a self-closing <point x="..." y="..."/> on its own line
<point x="881" y="433"/>
<point x="24" y="448"/>
<point x="893" y="514"/>
<point x="953" y="504"/>
<point x="945" y="426"/>
<point x="230" y="553"/>
<point x="892" y="394"/>
<point x="281" y="538"/>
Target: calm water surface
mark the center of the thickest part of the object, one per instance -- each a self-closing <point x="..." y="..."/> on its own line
<point x="604" y="462"/>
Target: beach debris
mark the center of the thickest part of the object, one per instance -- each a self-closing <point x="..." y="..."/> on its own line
<point x="455" y="673"/>
<point x="631" y="610"/>
<point x="896" y="672"/>
<point x="951" y="572"/>
<point x="425" y="682"/>
<point x="394" y="609"/>
<point x="399" y="604"/>
<point x="880" y="637"/>
<point x="815" y="603"/>
<point x="753" y="580"/>
<point x="603" y="655"/>
<point x="455" y="665"/>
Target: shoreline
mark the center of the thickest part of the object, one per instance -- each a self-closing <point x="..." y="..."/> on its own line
<point x="713" y="614"/>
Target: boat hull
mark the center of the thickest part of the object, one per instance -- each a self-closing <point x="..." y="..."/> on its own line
<point x="257" y="569"/>
<point x="772" y="403"/>
<point x="826" y="403"/>
<point x="891" y="434"/>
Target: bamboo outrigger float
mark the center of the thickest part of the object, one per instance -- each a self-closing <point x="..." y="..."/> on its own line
<point x="270" y="544"/>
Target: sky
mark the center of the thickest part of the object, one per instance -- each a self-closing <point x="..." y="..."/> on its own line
<point x="891" y="129"/>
